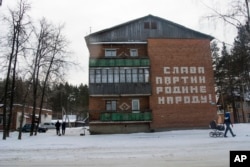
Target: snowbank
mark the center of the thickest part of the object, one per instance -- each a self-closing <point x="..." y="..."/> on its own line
<point x="172" y="148"/>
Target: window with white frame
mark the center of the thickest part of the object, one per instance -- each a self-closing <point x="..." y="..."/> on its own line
<point x="110" y="52"/>
<point x="133" y="52"/>
<point x="135" y="105"/>
<point x="111" y="105"/>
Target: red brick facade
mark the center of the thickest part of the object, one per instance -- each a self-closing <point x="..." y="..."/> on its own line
<point x="182" y="83"/>
<point x="172" y="76"/>
<point x="98" y="104"/>
<point x="98" y="50"/>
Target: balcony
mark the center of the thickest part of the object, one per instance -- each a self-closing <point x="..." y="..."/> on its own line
<point x="106" y="116"/>
<point x="120" y="89"/>
<point x="143" y="62"/>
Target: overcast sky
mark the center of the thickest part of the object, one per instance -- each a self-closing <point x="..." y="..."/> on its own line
<point x="84" y="16"/>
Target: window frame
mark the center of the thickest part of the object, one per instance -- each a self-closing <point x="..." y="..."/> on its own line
<point x="133" y="52"/>
<point x="135" y="105"/>
<point x="112" y="104"/>
<point x="109" y="52"/>
<point x="119" y="75"/>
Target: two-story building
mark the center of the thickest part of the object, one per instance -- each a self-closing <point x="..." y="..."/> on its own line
<point x="149" y="74"/>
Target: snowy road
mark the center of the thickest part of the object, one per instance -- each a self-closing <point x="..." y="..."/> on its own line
<point x="189" y="148"/>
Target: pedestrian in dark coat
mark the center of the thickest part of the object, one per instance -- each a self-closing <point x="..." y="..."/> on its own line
<point x="227" y="121"/>
<point x="63" y="128"/>
<point x="58" y="125"/>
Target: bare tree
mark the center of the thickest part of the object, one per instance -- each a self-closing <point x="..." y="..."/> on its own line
<point x="49" y="60"/>
<point x="236" y="15"/>
<point x="235" y="64"/>
<point x="54" y="59"/>
<point x="45" y="57"/>
<point x="41" y="50"/>
<point x="23" y="109"/>
<point x="18" y="37"/>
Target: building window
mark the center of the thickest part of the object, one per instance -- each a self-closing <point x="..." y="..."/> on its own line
<point x="98" y="76"/>
<point x="153" y="25"/>
<point x="110" y="52"/>
<point x="134" y="75"/>
<point x="104" y="76"/>
<point x="119" y="75"/>
<point x="141" y="75"/>
<point x="91" y="75"/>
<point x="146" y="75"/>
<point x="122" y="75"/>
<point x="111" y="105"/>
<point x="110" y="76"/>
<point x="133" y="52"/>
<point x="135" y="105"/>
<point x="146" y="25"/>
<point x="150" y="25"/>
<point x="116" y="75"/>
<point x="128" y="76"/>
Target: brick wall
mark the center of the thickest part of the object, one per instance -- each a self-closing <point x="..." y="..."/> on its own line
<point x="123" y="50"/>
<point x="182" y="83"/>
<point x="98" y="104"/>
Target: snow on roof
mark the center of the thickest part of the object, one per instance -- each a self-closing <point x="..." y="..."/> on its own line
<point x="44" y="109"/>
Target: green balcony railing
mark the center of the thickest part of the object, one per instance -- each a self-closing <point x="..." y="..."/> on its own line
<point x="115" y="116"/>
<point x="119" y="62"/>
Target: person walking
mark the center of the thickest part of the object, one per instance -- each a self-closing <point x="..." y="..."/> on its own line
<point x="57" y="125"/>
<point x="63" y="128"/>
<point x="228" y="122"/>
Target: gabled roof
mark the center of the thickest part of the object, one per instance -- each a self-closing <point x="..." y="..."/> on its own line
<point x="135" y="31"/>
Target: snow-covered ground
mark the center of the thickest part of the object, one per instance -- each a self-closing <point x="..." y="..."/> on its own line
<point x="189" y="148"/>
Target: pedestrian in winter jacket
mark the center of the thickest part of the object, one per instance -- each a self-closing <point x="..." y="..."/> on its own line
<point x="227" y="122"/>
<point x="57" y="125"/>
<point x="63" y="128"/>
